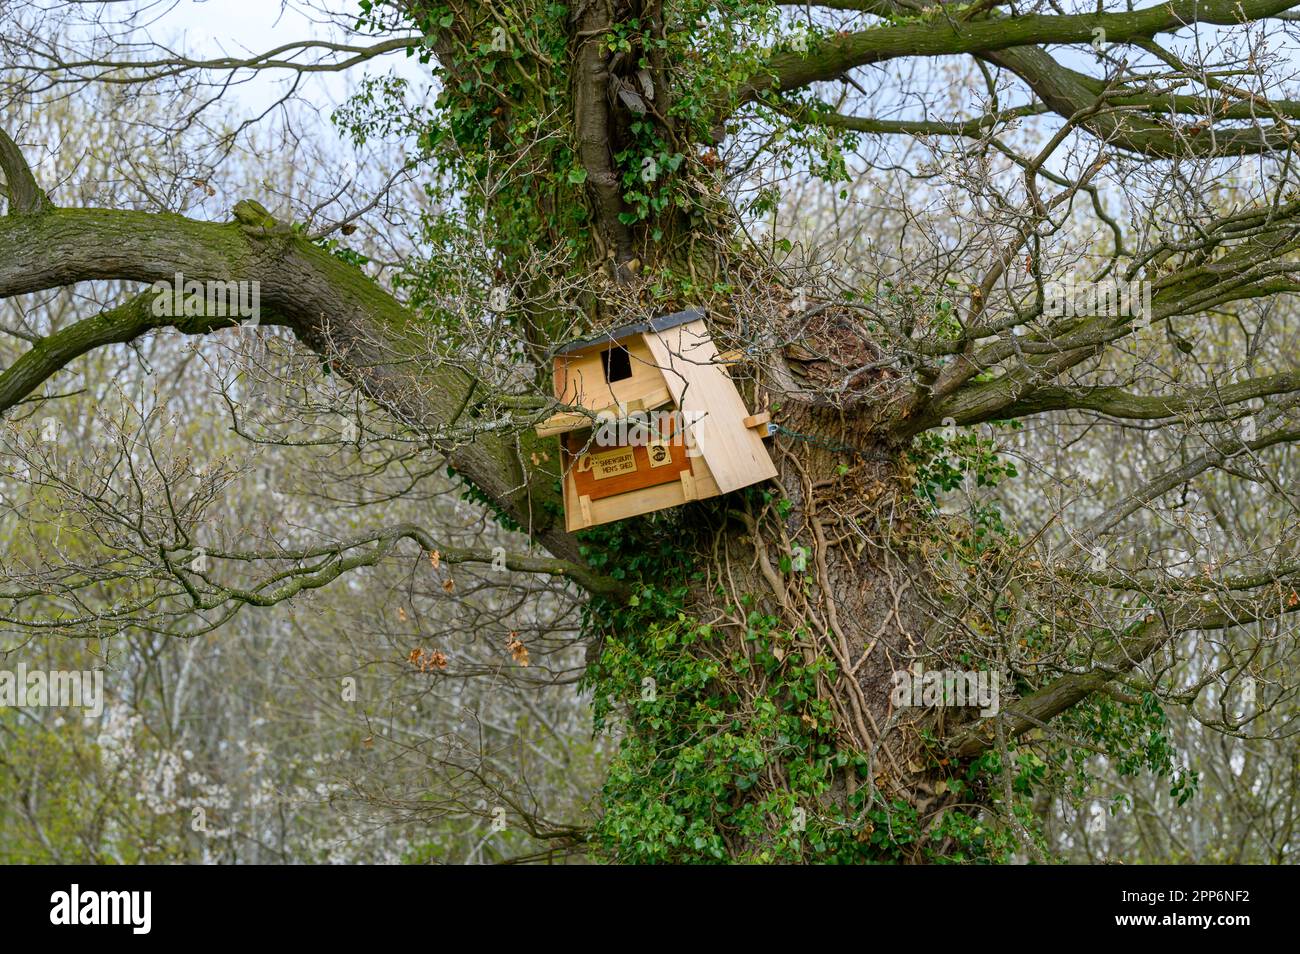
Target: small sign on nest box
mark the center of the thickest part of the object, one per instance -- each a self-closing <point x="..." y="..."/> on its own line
<point x="655" y="422"/>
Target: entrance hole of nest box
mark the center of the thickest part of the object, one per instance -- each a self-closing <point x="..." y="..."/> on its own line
<point x="617" y="362"/>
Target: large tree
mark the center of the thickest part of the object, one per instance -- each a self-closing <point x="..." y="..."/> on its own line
<point x="591" y="164"/>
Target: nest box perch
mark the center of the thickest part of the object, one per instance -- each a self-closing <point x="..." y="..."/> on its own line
<point x="660" y="422"/>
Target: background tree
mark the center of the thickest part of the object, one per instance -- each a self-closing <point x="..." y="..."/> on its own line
<point x="603" y="163"/>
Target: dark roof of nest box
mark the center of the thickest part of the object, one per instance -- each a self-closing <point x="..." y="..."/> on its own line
<point x="662" y="323"/>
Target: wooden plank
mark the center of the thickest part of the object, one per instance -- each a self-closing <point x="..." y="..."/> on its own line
<point x="573" y="518"/>
<point x="705" y="485"/>
<point x="590" y="484"/>
<point x="650" y="400"/>
<point x="563" y="423"/>
<point x="568" y="421"/>
<point x="647" y="500"/>
<point x="650" y="499"/>
<point x="735" y="454"/>
<point x="754" y="420"/>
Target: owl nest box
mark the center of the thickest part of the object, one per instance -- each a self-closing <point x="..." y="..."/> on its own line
<point x="656" y="422"/>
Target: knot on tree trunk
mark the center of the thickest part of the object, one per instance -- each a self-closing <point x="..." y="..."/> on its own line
<point x="254" y="220"/>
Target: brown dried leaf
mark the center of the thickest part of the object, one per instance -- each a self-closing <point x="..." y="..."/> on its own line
<point x="517" y="649"/>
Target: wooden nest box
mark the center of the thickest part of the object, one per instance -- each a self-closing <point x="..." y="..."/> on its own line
<point x="656" y="422"/>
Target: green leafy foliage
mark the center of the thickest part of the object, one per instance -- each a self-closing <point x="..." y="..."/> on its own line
<point x="692" y="779"/>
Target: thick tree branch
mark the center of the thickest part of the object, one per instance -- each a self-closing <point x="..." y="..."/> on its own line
<point x="332" y="563"/>
<point x="1155" y="488"/>
<point x="1201" y="403"/>
<point x="1125" y="122"/>
<point x="330" y="305"/>
<point x="1260" y="262"/>
<point x="170" y="63"/>
<point x="971" y="128"/>
<point x="940" y="36"/>
<point x="592" y="119"/>
<point x="25" y="196"/>
<point x="126" y="322"/>
<point x="1143" y="639"/>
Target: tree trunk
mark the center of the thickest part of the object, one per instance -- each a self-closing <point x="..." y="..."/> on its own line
<point x="755" y="667"/>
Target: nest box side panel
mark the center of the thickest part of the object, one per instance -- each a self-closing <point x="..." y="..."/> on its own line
<point x="695" y="377"/>
<point x="580" y="379"/>
<point x="574" y="517"/>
